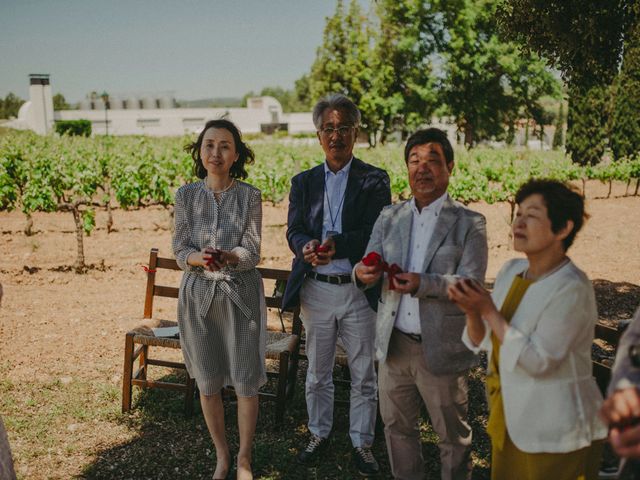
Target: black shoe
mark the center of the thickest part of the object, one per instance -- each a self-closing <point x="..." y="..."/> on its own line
<point x="312" y="449"/>
<point x="365" y="463"/>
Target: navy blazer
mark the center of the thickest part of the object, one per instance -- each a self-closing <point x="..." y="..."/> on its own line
<point x="368" y="191"/>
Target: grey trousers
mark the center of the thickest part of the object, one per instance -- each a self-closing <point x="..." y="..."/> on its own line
<point x="404" y="383"/>
<point x="328" y="312"/>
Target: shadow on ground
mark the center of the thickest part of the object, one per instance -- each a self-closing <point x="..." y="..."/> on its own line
<point x="170" y="446"/>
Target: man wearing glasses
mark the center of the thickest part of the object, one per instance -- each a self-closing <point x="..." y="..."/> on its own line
<point x="332" y="210"/>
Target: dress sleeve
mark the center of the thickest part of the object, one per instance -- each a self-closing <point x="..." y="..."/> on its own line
<point x="249" y="249"/>
<point x="181" y="244"/>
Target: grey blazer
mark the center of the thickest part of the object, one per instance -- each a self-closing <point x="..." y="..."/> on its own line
<point x="458" y="248"/>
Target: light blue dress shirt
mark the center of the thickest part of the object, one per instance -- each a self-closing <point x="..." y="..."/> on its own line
<point x="335" y="188"/>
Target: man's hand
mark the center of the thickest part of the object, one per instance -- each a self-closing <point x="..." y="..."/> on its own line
<point x="368" y="275"/>
<point x="316" y="253"/>
<point x="621" y="411"/>
<point x="408" y="282"/>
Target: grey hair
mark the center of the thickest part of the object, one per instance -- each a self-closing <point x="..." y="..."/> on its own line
<point x="336" y="101"/>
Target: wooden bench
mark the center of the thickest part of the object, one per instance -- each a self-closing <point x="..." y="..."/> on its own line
<point x="602" y="370"/>
<point x="282" y="347"/>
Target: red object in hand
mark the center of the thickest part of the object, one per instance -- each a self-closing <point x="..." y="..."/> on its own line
<point x="392" y="271"/>
<point x="216" y="255"/>
<point x="321" y="249"/>
<point x="374" y="259"/>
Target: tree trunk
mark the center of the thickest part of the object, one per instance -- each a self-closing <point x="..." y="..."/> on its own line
<point x="610" y="185"/>
<point x="468" y="135"/>
<point x="28" y="228"/>
<point x="79" y="266"/>
<point x="109" y="217"/>
<point x="109" y="213"/>
<point x="637" y="187"/>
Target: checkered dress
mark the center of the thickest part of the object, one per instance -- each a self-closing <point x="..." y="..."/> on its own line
<point x="221" y="315"/>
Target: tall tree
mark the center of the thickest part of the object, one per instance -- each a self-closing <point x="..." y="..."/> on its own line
<point x="344" y="64"/>
<point x="59" y="102"/>
<point x="10" y="105"/>
<point x="583" y="39"/>
<point x="625" y="131"/>
<point x="404" y="83"/>
<point x="489" y="83"/>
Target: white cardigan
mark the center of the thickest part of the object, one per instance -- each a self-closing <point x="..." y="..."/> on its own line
<point x="550" y="396"/>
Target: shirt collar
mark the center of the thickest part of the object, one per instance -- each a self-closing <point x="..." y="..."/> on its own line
<point x="344" y="169"/>
<point x="434" y="207"/>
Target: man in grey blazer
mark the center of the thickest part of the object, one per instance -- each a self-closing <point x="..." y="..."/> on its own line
<point x="434" y="240"/>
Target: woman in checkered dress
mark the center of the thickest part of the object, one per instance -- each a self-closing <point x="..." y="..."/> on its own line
<point x="221" y="311"/>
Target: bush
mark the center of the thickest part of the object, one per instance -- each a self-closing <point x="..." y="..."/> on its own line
<point x="74" y="127"/>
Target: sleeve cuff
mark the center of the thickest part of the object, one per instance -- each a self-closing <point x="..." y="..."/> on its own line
<point x="512" y="345"/>
<point x="485" y="343"/>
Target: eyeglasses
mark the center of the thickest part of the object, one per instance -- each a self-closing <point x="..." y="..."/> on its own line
<point x="342" y="131"/>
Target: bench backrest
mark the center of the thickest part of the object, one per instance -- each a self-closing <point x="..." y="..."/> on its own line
<point x="602" y="371"/>
<point x="155" y="290"/>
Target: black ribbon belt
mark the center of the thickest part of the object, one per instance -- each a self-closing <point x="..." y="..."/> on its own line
<point x="333" y="279"/>
<point x="413" y="336"/>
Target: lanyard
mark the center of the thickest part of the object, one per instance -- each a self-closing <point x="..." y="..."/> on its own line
<point x="334" y="219"/>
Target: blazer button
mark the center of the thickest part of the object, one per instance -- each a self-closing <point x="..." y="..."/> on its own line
<point x="393" y="313"/>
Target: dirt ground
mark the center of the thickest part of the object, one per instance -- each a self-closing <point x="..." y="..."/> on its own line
<point x="56" y="325"/>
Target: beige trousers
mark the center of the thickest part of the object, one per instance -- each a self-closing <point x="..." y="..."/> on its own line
<point x="404" y="383"/>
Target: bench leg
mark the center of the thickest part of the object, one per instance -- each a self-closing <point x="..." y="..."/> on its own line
<point x="281" y="394"/>
<point x="127" y="373"/>
<point x="188" y="396"/>
<point x="144" y="354"/>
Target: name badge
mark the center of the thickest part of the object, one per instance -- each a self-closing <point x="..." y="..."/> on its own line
<point x="332" y="233"/>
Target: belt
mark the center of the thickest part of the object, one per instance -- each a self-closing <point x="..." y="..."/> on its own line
<point x="333" y="279"/>
<point x="413" y="336"/>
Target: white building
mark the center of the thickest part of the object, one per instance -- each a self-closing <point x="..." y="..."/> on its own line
<point x="153" y="116"/>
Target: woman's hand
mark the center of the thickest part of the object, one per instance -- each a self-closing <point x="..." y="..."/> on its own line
<point x="471" y="297"/>
<point x="212" y="259"/>
<point x="475" y="301"/>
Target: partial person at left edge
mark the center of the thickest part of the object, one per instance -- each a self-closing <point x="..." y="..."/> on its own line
<point x="221" y="311"/>
<point x="332" y="210"/>
<point x="6" y="462"/>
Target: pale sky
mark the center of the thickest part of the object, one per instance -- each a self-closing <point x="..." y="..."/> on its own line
<point x="190" y="48"/>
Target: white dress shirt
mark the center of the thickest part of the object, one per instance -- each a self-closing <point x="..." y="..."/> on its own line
<point x="335" y="188"/>
<point x="422" y="225"/>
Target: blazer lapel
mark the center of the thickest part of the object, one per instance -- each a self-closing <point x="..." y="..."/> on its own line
<point x="447" y="218"/>
<point x="316" y="200"/>
<point x="354" y="185"/>
<point x="403" y="223"/>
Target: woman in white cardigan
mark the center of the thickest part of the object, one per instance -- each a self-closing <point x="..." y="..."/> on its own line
<point x="538" y="326"/>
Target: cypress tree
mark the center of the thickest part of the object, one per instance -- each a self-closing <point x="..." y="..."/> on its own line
<point x="625" y="134"/>
<point x="586" y="120"/>
<point x="558" y="135"/>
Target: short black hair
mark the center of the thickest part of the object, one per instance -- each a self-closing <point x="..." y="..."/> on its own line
<point x="245" y="154"/>
<point x="563" y="202"/>
<point x="429" y="135"/>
